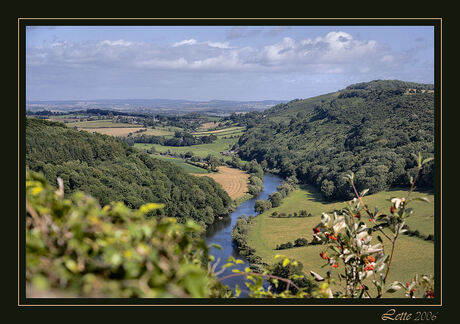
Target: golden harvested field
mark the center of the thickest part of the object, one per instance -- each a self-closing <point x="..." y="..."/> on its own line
<point x="234" y="181"/>
<point x="115" y="131"/>
<point x="208" y="125"/>
<point x="157" y="132"/>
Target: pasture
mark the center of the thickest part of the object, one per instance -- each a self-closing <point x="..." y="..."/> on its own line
<point x="181" y="163"/>
<point x="201" y="150"/>
<point x="268" y="232"/>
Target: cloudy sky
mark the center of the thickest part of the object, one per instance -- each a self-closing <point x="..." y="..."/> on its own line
<point x="219" y="62"/>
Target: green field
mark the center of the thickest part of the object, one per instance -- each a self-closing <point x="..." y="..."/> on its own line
<point x="228" y="130"/>
<point x="413" y="255"/>
<point x="179" y="162"/>
<point x="201" y="150"/>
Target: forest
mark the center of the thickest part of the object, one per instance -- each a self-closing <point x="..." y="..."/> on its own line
<point x="367" y="128"/>
<point x="110" y="170"/>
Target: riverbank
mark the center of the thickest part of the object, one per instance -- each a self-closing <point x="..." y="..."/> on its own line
<point x="220" y="233"/>
<point x="266" y="233"/>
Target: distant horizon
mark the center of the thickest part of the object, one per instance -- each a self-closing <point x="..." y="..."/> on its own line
<point x="168" y="99"/>
<point x="234" y="100"/>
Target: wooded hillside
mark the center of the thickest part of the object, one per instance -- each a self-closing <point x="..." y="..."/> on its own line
<point x="368" y="128"/>
<point x="109" y="170"/>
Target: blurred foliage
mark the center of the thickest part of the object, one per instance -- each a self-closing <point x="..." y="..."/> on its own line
<point x="74" y="245"/>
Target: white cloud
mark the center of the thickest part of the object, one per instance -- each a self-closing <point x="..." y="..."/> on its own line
<point x="218" y="44"/>
<point x="120" y="42"/>
<point x="190" y="41"/>
<point x="335" y="52"/>
<point x="333" y="56"/>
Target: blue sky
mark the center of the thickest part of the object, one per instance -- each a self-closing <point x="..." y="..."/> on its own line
<point x="219" y="62"/>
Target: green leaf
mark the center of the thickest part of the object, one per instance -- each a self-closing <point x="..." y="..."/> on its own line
<point x="217" y="246"/>
<point x="395" y="286"/>
<point x="71" y="265"/>
<point x="365" y="191"/>
<point x="229" y="264"/>
<point x="285" y="262"/>
<point x="40" y="282"/>
<point x="427" y="160"/>
<point x="237" y="290"/>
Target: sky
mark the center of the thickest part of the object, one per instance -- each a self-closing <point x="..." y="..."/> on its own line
<point x="219" y="62"/>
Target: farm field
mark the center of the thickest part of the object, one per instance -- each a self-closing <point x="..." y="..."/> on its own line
<point x="267" y="232"/>
<point x="105" y="123"/>
<point x="234" y="181"/>
<point x="228" y="130"/>
<point x="180" y="162"/>
<point x="112" y="131"/>
<point x="158" y="132"/>
<point x="201" y="150"/>
<point x="208" y="125"/>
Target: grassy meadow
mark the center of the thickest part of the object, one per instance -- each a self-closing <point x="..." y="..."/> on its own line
<point x="181" y="163"/>
<point x="413" y="255"/>
<point x="201" y="150"/>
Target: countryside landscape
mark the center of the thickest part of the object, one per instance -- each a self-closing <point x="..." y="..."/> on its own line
<point x="266" y="192"/>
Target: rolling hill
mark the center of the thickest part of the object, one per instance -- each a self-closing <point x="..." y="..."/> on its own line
<point x="368" y="128"/>
<point x="109" y="170"/>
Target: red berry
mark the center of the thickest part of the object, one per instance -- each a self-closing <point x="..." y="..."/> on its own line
<point x="323" y="256"/>
<point x="392" y="209"/>
<point x="316" y="230"/>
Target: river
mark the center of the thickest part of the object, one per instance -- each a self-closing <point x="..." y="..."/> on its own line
<point x="220" y="233"/>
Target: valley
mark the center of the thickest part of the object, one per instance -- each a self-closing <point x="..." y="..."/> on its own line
<point x="210" y="169"/>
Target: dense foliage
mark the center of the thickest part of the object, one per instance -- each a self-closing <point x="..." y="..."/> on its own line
<point x="111" y="171"/>
<point x="76" y="248"/>
<point x="367" y="128"/>
<point x="179" y="139"/>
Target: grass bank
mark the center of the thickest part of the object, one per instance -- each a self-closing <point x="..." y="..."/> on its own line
<point x="413" y="255"/>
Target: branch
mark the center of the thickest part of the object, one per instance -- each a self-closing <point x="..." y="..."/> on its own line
<point x="288" y="281"/>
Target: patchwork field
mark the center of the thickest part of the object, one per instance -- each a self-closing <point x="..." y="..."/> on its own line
<point x="228" y="130"/>
<point x="158" y="132"/>
<point x="105" y="123"/>
<point x="202" y="150"/>
<point x="234" y="181"/>
<point x="115" y="131"/>
<point x="409" y="259"/>
<point x="208" y="125"/>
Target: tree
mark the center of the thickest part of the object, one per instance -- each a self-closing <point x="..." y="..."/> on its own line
<point x="275" y="199"/>
<point x="262" y="205"/>
<point x="327" y="188"/>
